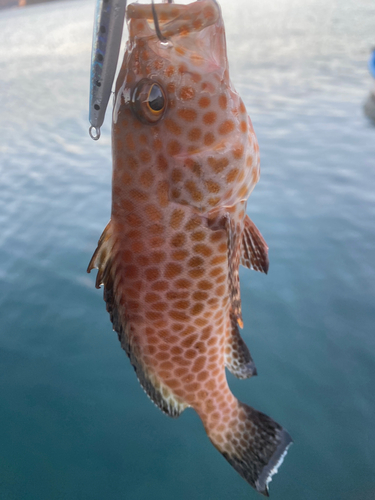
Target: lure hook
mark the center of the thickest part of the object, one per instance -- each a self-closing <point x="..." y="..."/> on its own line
<point x="161" y="37"/>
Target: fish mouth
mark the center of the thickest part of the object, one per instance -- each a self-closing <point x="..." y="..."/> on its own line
<point x="177" y="19"/>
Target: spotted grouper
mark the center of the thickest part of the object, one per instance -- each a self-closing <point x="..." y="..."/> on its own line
<point x="185" y="160"/>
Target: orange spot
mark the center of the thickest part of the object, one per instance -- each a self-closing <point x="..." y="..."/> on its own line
<point x="223" y="101"/>
<point x="133" y="220"/>
<point x="173" y="148"/>
<point x="153" y="213"/>
<point x="143" y="139"/>
<point x="178" y="240"/>
<point x="152" y="274"/>
<point x="198" y="236"/>
<point x="205" y="285"/>
<point x="180" y="254"/>
<point x="196" y="261"/>
<point x="129" y="141"/>
<point x="160" y="286"/>
<point x="219" y="259"/>
<point x="204" y="102"/>
<point x="187" y="93"/>
<point x="157" y="257"/>
<point x="196" y="59"/>
<point x="156" y="242"/>
<point x="146" y="179"/>
<point x="243" y="192"/>
<point x="132" y="162"/>
<point x="156" y="229"/>
<point x="194" y="191"/>
<point x="243" y="126"/>
<point x="158" y="64"/>
<point x="171" y="88"/>
<point x="209" y="118"/>
<point x="157" y="144"/>
<point x="226" y="127"/>
<point x="178" y="315"/>
<point x="159" y="306"/>
<point x="182" y="68"/>
<point x="196" y="77"/>
<point x="232" y="175"/>
<point x="182" y="304"/>
<point x="218" y="165"/>
<point x="176" y="218"/>
<point x="208" y="13"/>
<point x="170" y="72"/>
<point x="152" y="297"/>
<point x="172" y="126"/>
<point x="208" y="86"/>
<point x="193" y="223"/>
<point x="216" y="271"/>
<point x="142" y="260"/>
<point x="172" y="270"/>
<point x="204" y="250"/>
<point x="241" y="176"/>
<point x="255" y="176"/>
<point x="162" y="192"/>
<point x="238" y="151"/>
<point x="126" y="179"/>
<point x="212" y="187"/>
<point x="242" y="107"/>
<point x="175" y="193"/>
<point x="138" y="195"/>
<point x="162" y="163"/>
<point x="249" y="161"/>
<point x="180" y="50"/>
<point x="197" y="24"/>
<point x="194" y="134"/>
<point x="183" y="283"/>
<point x="187" y="114"/>
<point x="209" y="139"/>
<point x="176" y="175"/>
<point x="131" y="272"/>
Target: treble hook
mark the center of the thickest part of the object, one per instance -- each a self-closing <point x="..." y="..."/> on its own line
<point x="156" y="24"/>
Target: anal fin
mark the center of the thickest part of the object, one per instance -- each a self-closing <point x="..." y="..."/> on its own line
<point x="234" y="254"/>
<point x="103" y="260"/>
<point x="254" y="248"/>
<point x="238" y="359"/>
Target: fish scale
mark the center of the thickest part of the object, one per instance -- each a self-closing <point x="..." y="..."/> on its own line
<point x="185" y="160"/>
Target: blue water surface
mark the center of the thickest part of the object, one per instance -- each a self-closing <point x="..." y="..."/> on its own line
<point x="74" y="423"/>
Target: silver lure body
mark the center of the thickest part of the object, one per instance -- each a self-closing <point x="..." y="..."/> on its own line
<point x="108" y="26"/>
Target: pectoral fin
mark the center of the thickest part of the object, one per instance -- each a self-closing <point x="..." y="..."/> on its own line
<point x="104" y="259"/>
<point x="254" y="248"/>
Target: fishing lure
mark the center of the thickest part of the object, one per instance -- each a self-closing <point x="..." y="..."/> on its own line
<point x="108" y="26"/>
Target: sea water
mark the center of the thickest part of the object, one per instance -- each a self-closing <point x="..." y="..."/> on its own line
<point x="74" y="422"/>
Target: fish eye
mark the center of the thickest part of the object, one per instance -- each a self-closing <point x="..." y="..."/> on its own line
<point x="149" y="101"/>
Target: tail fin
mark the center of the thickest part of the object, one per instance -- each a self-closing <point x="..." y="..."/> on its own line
<point x="254" y="444"/>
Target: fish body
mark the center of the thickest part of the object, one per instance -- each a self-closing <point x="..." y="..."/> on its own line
<point x="185" y="160"/>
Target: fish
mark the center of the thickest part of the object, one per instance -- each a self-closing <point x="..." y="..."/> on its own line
<point x="185" y="160"/>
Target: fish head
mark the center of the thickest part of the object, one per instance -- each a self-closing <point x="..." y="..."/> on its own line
<point x="176" y="108"/>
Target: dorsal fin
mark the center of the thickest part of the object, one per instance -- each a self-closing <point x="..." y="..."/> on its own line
<point x="254" y="248"/>
<point x="158" y="392"/>
<point x="238" y="359"/>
